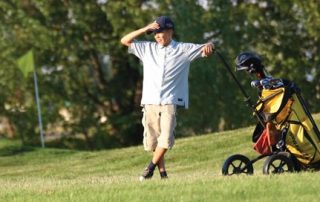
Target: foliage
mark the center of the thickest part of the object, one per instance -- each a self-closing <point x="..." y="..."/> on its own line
<point x="90" y="87"/>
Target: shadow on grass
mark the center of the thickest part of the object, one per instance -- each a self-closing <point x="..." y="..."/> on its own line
<point x="14" y="150"/>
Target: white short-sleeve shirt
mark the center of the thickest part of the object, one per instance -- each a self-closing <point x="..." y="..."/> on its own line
<point x="165" y="71"/>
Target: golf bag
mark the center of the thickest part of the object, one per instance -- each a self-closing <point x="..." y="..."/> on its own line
<point x="287" y="124"/>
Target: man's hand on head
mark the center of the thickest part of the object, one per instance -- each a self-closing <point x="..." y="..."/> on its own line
<point x="152" y="26"/>
<point x="128" y="39"/>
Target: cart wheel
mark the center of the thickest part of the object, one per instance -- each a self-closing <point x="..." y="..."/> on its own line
<point x="237" y="164"/>
<point x="278" y="163"/>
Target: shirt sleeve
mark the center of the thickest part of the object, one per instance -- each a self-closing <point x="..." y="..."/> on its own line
<point x="193" y="51"/>
<point x="138" y="48"/>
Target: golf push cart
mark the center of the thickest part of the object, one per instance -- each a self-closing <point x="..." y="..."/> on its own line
<point x="286" y="134"/>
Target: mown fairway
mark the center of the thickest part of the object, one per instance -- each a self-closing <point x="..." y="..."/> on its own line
<point x="194" y="168"/>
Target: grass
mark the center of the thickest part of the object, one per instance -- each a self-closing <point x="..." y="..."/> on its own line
<point x="194" y="168"/>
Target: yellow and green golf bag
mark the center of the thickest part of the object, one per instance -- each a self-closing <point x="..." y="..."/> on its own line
<point x="286" y="134"/>
<point x="284" y="115"/>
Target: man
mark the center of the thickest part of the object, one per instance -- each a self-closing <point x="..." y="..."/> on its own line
<point x="165" y="85"/>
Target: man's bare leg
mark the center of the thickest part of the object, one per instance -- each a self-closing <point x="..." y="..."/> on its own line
<point x="158" y="155"/>
<point x="158" y="159"/>
<point x="161" y="165"/>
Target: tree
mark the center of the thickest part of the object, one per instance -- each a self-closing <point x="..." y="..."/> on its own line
<point x="91" y="87"/>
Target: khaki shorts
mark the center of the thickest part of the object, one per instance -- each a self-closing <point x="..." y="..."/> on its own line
<point x="159" y="122"/>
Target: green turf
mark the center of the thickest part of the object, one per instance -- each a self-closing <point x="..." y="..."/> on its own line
<point x="194" y="168"/>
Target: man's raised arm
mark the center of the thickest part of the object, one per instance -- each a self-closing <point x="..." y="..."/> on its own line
<point x="128" y="39"/>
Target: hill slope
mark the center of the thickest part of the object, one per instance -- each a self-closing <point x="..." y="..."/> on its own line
<point x="194" y="168"/>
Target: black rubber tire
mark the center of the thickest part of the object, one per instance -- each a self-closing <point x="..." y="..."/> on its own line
<point x="277" y="164"/>
<point x="237" y="164"/>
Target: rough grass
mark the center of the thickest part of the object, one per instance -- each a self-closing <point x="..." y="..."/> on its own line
<point x="194" y="168"/>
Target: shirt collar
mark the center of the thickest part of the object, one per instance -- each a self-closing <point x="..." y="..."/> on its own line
<point x="170" y="45"/>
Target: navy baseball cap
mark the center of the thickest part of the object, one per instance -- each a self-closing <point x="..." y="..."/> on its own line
<point x="164" y="23"/>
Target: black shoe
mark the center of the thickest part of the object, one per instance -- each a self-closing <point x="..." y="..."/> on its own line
<point x="163" y="175"/>
<point x="147" y="174"/>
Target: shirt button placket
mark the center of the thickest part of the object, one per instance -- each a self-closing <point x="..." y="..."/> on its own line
<point x="163" y="72"/>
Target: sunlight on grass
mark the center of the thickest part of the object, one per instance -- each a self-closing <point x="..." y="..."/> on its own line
<point x="194" y="168"/>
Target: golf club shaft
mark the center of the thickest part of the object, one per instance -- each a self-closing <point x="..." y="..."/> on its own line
<point x="248" y="99"/>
